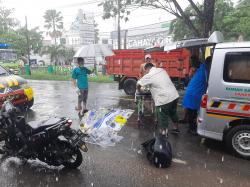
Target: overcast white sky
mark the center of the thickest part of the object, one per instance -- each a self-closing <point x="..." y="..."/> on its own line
<point x="34" y="10"/>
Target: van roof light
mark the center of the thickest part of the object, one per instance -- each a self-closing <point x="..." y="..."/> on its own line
<point x="216" y="37"/>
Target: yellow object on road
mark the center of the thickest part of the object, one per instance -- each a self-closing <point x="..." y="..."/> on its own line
<point x="120" y="119"/>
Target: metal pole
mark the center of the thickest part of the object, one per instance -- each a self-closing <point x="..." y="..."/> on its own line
<point x="119" y="27"/>
<point x="125" y="39"/>
<point x="28" y="41"/>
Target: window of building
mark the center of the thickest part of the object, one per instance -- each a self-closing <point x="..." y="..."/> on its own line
<point x="237" y="67"/>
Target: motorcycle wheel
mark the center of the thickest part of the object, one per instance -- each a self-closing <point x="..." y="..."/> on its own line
<point x="74" y="156"/>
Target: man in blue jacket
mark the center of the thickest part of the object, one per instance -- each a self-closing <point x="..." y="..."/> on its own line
<point x="196" y="89"/>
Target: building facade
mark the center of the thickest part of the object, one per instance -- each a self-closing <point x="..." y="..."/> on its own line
<point x="143" y="37"/>
<point x="81" y="32"/>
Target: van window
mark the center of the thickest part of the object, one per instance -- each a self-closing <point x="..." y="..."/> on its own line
<point x="237" y="67"/>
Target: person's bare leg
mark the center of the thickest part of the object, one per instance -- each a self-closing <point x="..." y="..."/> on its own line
<point x="83" y="107"/>
<point x="79" y="105"/>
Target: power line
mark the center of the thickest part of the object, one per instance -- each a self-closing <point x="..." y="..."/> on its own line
<point x="139" y="28"/>
<point x="80" y="4"/>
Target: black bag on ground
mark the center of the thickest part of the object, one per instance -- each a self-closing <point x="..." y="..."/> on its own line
<point x="159" y="151"/>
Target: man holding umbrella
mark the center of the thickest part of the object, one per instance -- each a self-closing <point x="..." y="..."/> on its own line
<point x="80" y="73"/>
<point x="80" y="79"/>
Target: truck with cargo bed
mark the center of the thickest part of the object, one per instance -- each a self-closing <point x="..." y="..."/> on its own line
<point x="124" y="65"/>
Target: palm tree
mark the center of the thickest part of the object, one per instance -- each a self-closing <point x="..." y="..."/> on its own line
<point x="54" y="23"/>
<point x="68" y="54"/>
<point x="54" y="51"/>
<point x="58" y="53"/>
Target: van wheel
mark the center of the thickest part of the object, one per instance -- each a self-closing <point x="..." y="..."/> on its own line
<point x="238" y="141"/>
<point x="129" y="86"/>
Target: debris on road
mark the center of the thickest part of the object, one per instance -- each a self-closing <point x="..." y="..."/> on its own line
<point x="103" y="125"/>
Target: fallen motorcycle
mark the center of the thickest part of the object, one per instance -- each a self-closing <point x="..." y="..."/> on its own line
<point x="53" y="141"/>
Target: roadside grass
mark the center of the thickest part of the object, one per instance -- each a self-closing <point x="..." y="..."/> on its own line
<point x="66" y="77"/>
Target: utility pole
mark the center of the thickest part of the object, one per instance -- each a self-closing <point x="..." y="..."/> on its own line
<point x="119" y="27"/>
<point x="28" y="42"/>
<point x="125" y="39"/>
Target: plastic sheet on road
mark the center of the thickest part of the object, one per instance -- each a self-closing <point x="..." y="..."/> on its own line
<point x="103" y="125"/>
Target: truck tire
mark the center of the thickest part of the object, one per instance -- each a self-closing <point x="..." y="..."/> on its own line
<point x="238" y="141"/>
<point x="129" y="86"/>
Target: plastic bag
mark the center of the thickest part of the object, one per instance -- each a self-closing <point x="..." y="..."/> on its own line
<point x="159" y="151"/>
<point x="103" y="125"/>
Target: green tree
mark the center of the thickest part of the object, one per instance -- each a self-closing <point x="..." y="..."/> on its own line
<point x="18" y="40"/>
<point x="54" y="23"/>
<point x="119" y="9"/>
<point x="222" y="10"/>
<point x="204" y="15"/>
<point x="54" y="51"/>
<point x="68" y="54"/>
<point x="7" y="22"/>
<point x="238" y="22"/>
<point x="59" y="53"/>
<point x="110" y="9"/>
<point x="35" y="40"/>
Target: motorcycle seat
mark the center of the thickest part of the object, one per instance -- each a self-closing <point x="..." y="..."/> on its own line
<point x="40" y="126"/>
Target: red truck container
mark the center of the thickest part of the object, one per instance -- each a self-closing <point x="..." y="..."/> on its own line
<point x="125" y="66"/>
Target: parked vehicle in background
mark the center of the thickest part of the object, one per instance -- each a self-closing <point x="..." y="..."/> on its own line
<point x="12" y="85"/>
<point x="125" y="66"/>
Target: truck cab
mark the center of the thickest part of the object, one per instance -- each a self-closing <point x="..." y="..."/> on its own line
<point x="225" y="110"/>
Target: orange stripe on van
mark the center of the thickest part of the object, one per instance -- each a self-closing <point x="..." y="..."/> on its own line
<point x="222" y="116"/>
<point x="234" y="114"/>
<point x="231" y="106"/>
<point x="246" y="108"/>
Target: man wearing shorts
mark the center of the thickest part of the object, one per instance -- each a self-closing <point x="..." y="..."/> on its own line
<point x="164" y="94"/>
<point x="80" y="77"/>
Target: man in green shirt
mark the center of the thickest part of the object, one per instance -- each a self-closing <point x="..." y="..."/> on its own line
<point x="80" y="77"/>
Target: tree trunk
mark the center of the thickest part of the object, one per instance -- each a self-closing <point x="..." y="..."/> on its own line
<point x="186" y="19"/>
<point x="54" y="30"/>
<point x="119" y="27"/>
<point x="208" y="16"/>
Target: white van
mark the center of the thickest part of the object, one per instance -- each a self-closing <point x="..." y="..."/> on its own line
<point x="225" y="110"/>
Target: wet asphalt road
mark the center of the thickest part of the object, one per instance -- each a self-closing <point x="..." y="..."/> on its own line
<point x="196" y="163"/>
